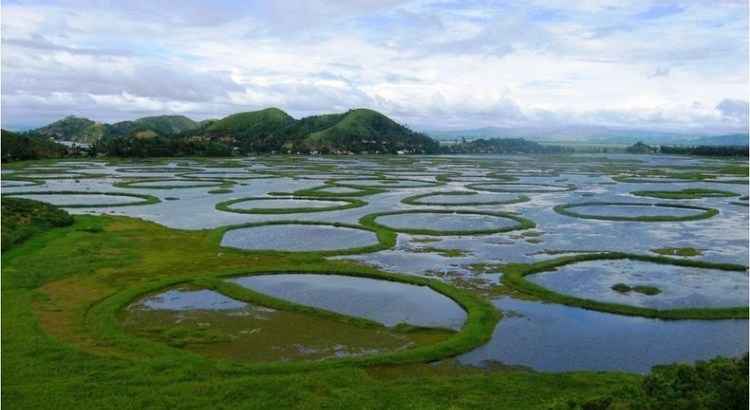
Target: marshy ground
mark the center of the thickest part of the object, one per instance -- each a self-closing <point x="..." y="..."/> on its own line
<point x="368" y="282"/>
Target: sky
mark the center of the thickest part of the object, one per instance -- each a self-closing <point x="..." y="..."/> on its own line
<point x="645" y="64"/>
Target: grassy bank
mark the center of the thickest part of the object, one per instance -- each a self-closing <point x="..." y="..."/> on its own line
<point x="63" y="347"/>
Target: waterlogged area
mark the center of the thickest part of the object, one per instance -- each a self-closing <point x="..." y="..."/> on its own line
<point x="389" y="303"/>
<point x="455" y="219"/>
<point x="189" y="299"/>
<point x="214" y="325"/>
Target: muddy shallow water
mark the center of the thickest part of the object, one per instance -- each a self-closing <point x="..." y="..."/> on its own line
<point x="208" y="323"/>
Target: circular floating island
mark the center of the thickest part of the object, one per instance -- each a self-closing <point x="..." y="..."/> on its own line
<point x="386" y="183"/>
<point x="85" y="199"/>
<point x="227" y="175"/>
<point x="209" y="323"/>
<point x="290" y="205"/>
<point x="638" y="285"/>
<point x="464" y="198"/>
<point x="297" y="236"/>
<point x="56" y="175"/>
<point x="330" y="190"/>
<point x="655" y="180"/>
<point x="155" y="170"/>
<point x="170" y="184"/>
<point x="637" y="212"/>
<point x="521" y="187"/>
<point x="374" y="317"/>
<point x="696" y="193"/>
<point x="446" y="223"/>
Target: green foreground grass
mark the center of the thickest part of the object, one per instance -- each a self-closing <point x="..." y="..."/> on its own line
<point x="63" y="347"/>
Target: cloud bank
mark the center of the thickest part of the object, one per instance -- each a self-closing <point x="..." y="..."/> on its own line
<point x="431" y="64"/>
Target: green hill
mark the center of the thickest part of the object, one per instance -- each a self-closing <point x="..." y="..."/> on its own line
<point x="265" y="131"/>
<point x="308" y="125"/>
<point x="161" y="124"/>
<point x="363" y="130"/>
<point x="167" y="124"/>
<point x="17" y="147"/>
<point x="72" y="128"/>
<point x="269" y="121"/>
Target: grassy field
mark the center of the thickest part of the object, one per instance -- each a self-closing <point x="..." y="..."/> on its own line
<point x="64" y="348"/>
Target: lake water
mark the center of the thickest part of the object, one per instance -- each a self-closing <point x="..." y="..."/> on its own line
<point x="555" y="338"/>
<point x="297" y="237"/>
<point x="680" y="286"/>
<point x="389" y="303"/>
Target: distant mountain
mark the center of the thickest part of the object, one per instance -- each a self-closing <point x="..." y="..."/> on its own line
<point x="72" y="128"/>
<point x="589" y="133"/>
<point x="729" y="139"/>
<point x="501" y="146"/>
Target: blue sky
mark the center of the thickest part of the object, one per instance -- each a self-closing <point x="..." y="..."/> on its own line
<point x="662" y="65"/>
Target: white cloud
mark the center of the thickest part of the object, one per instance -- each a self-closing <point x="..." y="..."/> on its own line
<point x="430" y="64"/>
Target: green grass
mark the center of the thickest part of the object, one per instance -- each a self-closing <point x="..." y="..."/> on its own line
<point x="646" y="290"/>
<point x="511" y="187"/>
<point x="63" y="346"/>
<point x="226" y="206"/>
<point x="199" y="183"/>
<point x="514" y="276"/>
<point x="23" y="218"/>
<point x="694" y="193"/>
<point x="448" y="253"/>
<point x="320" y="191"/>
<point x="522" y="223"/>
<point x="686" y="252"/>
<point x="156" y="170"/>
<point x="387" y="183"/>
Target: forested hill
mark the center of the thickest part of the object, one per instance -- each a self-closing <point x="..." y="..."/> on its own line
<point x="271" y="130"/>
<point x="19" y="147"/>
<point x="84" y="130"/>
<point x="357" y="131"/>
